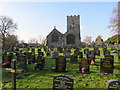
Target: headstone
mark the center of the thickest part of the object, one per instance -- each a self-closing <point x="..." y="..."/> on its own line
<point x="106" y="53"/>
<point x="40" y="53"/>
<point x="80" y="55"/>
<point x="97" y="52"/>
<point x="86" y="51"/>
<point x="67" y="54"/>
<point x="22" y="62"/>
<point x="84" y="66"/>
<point x="60" y="49"/>
<point x="63" y="82"/>
<point x="40" y="62"/>
<point x="113" y="84"/>
<point x="54" y="55"/>
<point x="106" y="65"/>
<point x="7" y="61"/>
<point x="31" y="58"/>
<point x="60" y="64"/>
<point x="74" y="59"/>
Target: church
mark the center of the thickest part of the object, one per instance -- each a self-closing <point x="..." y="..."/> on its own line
<point x="72" y="36"/>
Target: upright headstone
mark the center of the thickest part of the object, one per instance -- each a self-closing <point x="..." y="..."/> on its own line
<point x="63" y="82"/>
<point x="54" y="54"/>
<point x="84" y="66"/>
<point x="60" y="64"/>
<point x="118" y="54"/>
<point x="106" y="65"/>
<point x="74" y="59"/>
<point x="40" y="62"/>
<point x="113" y="84"/>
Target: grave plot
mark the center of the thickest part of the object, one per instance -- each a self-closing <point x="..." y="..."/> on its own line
<point x="40" y="63"/>
<point x="63" y="82"/>
<point x="84" y="66"/>
<point x="106" y="65"/>
<point x="74" y="59"/>
<point x="61" y="64"/>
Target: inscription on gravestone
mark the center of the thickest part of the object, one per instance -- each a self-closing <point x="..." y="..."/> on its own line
<point x="63" y="82"/>
<point x="113" y="84"/>
<point x="106" y="65"/>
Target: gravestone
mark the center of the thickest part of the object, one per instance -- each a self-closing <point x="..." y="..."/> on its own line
<point x="7" y="61"/>
<point x="31" y="58"/>
<point x="60" y="64"/>
<point x="86" y="51"/>
<point x="84" y="66"/>
<point x="63" y="82"/>
<point x="54" y="54"/>
<point x="76" y="52"/>
<point x="22" y="62"/>
<point x="40" y="62"/>
<point x="40" y="53"/>
<point x="106" y="65"/>
<point x="67" y="54"/>
<point x="113" y="84"/>
<point x="106" y="52"/>
<point x="74" y="59"/>
<point x="60" y="49"/>
<point x="97" y="52"/>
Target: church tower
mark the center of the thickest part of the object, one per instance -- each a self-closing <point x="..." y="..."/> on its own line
<point x="73" y="22"/>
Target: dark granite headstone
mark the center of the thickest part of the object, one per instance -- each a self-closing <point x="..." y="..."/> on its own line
<point x="61" y="64"/>
<point x="84" y="66"/>
<point x="22" y="62"/>
<point x="63" y="82"/>
<point x="106" y="65"/>
<point x="74" y="59"/>
<point x="113" y="84"/>
<point x="40" y="62"/>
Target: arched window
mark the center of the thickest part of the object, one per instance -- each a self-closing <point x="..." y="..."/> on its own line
<point x="70" y="39"/>
<point x="55" y="37"/>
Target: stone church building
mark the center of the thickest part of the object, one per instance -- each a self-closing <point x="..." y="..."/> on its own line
<point x="70" y="39"/>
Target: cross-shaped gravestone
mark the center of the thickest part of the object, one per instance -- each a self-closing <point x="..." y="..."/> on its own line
<point x="13" y="71"/>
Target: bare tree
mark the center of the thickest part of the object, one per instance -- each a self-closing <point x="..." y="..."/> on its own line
<point x="41" y="39"/>
<point x="115" y="20"/>
<point x="7" y="26"/>
<point x="32" y="40"/>
<point x="88" y="40"/>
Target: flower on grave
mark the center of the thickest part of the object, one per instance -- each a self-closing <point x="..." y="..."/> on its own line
<point x="92" y="62"/>
<point x="60" y="68"/>
<point x="83" y="69"/>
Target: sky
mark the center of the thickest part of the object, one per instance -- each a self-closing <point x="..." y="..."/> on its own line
<point x="37" y="19"/>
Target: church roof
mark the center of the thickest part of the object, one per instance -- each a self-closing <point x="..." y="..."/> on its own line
<point x="54" y="30"/>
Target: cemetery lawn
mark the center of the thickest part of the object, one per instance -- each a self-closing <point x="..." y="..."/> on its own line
<point x="44" y="79"/>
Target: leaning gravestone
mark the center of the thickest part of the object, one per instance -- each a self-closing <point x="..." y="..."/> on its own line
<point x="40" y="62"/>
<point x="63" y="82"/>
<point x="106" y="65"/>
<point x="74" y="59"/>
<point x="84" y="66"/>
<point x="113" y="84"/>
<point x="60" y="64"/>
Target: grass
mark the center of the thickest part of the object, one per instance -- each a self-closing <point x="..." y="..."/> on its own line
<point x="44" y="79"/>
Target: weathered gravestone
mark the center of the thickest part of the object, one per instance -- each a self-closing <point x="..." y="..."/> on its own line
<point x="84" y="66"/>
<point x="113" y="84"/>
<point x="60" y="49"/>
<point x="7" y="61"/>
<point x="67" y="54"/>
<point x="61" y="64"/>
<point x="91" y="57"/>
<point x="76" y="52"/>
<point x="40" y="62"/>
<point x="54" y="54"/>
<point x="22" y="61"/>
<point x="106" y="52"/>
<point x="97" y="52"/>
<point x="80" y="55"/>
<point x="31" y="58"/>
<point x="106" y="65"/>
<point x="86" y="51"/>
<point x="74" y="59"/>
<point x="41" y="53"/>
<point x="63" y="82"/>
